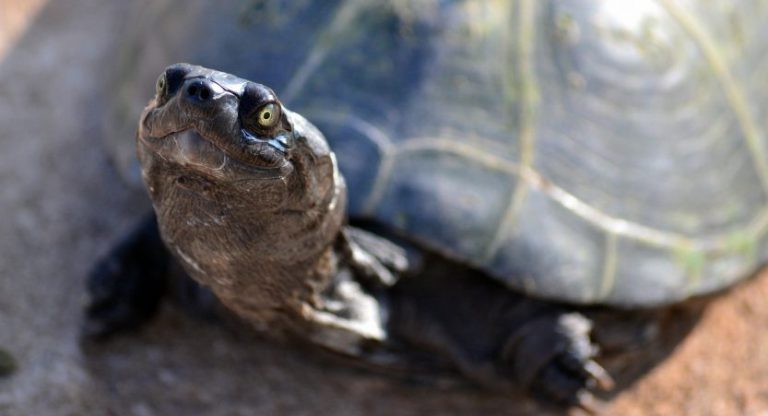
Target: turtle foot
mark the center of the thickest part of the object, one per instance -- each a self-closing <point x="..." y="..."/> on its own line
<point x="125" y="288"/>
<point x="376" y="261"/>
<point x="553" y="357"/>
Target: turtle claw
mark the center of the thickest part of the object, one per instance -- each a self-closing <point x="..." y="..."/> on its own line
<point x="377" y="261"/>
<point x="595" y="371"/>
<point x="553" y="357"/>
<point x="587" y="402"/>
<point x="590" y="370"/>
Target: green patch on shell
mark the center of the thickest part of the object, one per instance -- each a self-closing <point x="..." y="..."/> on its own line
<point x="7" y="363"/>
<point x="567" y="29"/>
<point x="742" y="243"/>
<point x="692" y="261"/>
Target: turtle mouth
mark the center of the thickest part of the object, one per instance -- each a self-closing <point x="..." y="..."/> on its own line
<point x="189" y="150"/>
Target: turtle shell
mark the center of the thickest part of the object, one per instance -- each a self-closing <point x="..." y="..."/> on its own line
<point x="584" y="151"/>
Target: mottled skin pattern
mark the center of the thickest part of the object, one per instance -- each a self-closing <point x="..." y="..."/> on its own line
<point x="249" y="202"/>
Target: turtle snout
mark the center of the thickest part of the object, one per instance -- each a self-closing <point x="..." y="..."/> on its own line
<point x="200" y="91"/>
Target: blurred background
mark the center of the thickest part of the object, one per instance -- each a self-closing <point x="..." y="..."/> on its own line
<point x="65" y="197"/>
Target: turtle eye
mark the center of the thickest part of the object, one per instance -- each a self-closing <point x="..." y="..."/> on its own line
<point x="268" y="115"/>
<point x="161" y="86"/>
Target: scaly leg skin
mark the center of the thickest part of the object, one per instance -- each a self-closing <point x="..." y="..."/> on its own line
<point x="128" y="284"/>
<point x="496" y="337"/>
<point x="353" y="308"/>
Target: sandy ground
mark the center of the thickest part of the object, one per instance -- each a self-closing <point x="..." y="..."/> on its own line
<point x="62" y="204"/>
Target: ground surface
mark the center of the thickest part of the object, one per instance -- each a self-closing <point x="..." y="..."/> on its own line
<point x="62" y="204"/>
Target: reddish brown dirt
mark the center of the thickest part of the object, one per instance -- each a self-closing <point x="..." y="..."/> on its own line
<point x="62" y="205"/>
<point x="721" y="368"/>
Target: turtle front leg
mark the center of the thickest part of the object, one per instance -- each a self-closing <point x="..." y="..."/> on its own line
<point x="126" y="286"/>
<point x="347" y="318"/>
<point x="353" y="309"/>
<point x="553" y="357"/>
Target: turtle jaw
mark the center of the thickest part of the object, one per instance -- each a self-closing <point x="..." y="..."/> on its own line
<point x="184" y="169"/>
<point x="192" y="153"/>
<point x="207" y="139"/>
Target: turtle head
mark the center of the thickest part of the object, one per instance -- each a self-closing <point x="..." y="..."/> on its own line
<point x="230" y="139"/>
<point x="246" y="192"/>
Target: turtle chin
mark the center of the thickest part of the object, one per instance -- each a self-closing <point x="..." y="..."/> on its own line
<point x="185" y="167"/>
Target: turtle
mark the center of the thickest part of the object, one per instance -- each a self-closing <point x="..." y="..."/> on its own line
<point x="460" y="180"/>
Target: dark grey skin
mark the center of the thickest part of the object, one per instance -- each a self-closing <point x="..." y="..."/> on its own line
<point x="250" y="203"/>
<point x="7" y="363"/>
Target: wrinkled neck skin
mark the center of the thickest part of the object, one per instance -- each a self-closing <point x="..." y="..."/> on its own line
<point x="265" y="245"/>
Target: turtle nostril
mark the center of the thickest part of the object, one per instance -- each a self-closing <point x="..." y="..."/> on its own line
<point x="199" y="92"/>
